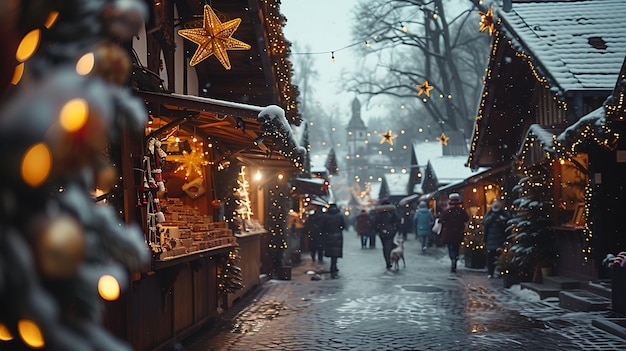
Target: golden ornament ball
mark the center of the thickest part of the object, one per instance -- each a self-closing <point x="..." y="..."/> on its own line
<point x="60" y="247"/>
<point x="112" y="63"/>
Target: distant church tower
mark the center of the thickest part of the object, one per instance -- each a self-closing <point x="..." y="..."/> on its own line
<point x="357" y="131"/>
<point x="358" y="148"/>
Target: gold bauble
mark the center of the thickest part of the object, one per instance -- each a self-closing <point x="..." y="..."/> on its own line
<point x="60" y="247"/>
<point x="112" y="63"/>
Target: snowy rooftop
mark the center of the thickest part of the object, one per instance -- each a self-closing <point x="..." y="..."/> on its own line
<point x="580" y="43"/>
<point x="451" y="169"/>
<point x="397" y="183"/>
<point x="427" y="150"/>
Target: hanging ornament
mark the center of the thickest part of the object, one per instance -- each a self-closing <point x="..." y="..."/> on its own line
<point x="214" y="38"/>
<point x="191" y="162"/>
<point x="388" y="137"/>
<point x="486" y="21"/>
<point x="59" y="246"/>
<point x="443" y="138"/>
<point x="425" y="89"/>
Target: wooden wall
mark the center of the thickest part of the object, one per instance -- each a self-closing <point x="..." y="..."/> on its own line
<point x="167" y="304"/>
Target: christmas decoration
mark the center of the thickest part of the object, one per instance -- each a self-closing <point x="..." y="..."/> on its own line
<point x="425" y="89"/>
<point x="57" y="243"/>
<point x="443" y="139"/>
<point x="191" y="163"/>
<point x="214" y="38"/>
<point x="473" y="243"/>
<point x="486" y="21"/>
<point x="530" y="244"/>
<point x="242" y="191"/>
<point x="229" y="278"/>
<point x="275" y="126"/>
<point x="388" y="137"/>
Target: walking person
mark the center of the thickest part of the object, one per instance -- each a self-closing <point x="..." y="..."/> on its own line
<point x="423" y="221"/>
<point x="404" y="213"/>
<point x="386" y="225"/>
<point x="372" y="233"/>
<point x="494" y="224"/>
<point x="316" y="236"/>
<point x="453" y="221"/>
<point x="363" y="227"/>
<point x="333" y="225"/>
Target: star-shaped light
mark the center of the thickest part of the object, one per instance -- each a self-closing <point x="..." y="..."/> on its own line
<point x="191" y="162"/>
<point x="214" y="38"/>
<point x="443" y="139"/>
<point x="388" y="137"/>
<point x="425" y="89"/>
<point x="486" y="21"/>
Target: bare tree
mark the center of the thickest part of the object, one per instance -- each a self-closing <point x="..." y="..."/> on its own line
<point x="414" y="41"/>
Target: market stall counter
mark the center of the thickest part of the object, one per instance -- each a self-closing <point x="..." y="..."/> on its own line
<point x="179" y="293"/>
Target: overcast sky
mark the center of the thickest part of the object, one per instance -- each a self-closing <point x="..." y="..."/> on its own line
<point x="323" y="26"/>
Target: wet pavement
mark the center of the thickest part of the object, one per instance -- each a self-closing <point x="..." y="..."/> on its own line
<point x="420" y="307"/>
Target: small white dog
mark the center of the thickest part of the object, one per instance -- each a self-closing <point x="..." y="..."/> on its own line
<point x="397" y="253"/>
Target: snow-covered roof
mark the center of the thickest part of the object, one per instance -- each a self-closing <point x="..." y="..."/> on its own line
<point x="397" y="183"/>
<point x="451" y="169"/>
<point x="580" y="43"/>
<point x="427" y="150"/>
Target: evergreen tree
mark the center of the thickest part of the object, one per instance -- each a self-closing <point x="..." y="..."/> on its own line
<point x="331" y="163"/>
<point x="530" y="243"/>
<point x="229" y="278"/>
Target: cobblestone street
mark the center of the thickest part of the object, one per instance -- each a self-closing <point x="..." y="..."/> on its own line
<point x="420" y="307"/>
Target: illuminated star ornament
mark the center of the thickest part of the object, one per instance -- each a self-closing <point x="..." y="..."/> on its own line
<point x="425" y="89"/>
<point x="486" y="21"/>
<point x="443" y="139"/>
<point x="191" y="162"/>
<point x="388" y="137"/>
<point x="214" y="38"/>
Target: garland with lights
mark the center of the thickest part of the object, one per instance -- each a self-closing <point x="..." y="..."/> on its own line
<point x="277" y="221"/>
<point x="61" y="254"/>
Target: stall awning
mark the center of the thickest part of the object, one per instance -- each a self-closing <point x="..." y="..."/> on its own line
<point x="235" y="129"/>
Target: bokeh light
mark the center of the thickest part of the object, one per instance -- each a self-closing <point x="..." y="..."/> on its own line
<point x="30" y="334"/>
<point x="108" y="288"/>
<point x="52" y="17"/>
<point x="74" y="114"/>
<point x="28" y="45"/>
<point x="18" y="73"/>
<point x="5" y="334"/>
<point x="36" y="164"/>
<point x="85" y="64"/>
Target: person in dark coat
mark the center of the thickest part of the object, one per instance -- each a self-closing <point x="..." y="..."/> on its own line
<point x="453" y="221"/>
<point x="494" y="225"/>
<point x="423" y="221"/>
<point x="363" y="227"/>
<point x="406" y="222"/>
<point x="316" y="236"/>
<point x="333" y="224"/>
<point x="386" y="224"/>
<point x="372" y="233"/>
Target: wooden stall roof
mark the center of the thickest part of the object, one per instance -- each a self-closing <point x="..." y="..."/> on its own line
<point x="572" y="46"/>
<point x="233" y="127"/>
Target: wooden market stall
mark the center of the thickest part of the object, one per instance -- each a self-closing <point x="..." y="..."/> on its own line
<point x="190" y="179"/>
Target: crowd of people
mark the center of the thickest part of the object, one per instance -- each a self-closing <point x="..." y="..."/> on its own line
<point x="324" y="230"/>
